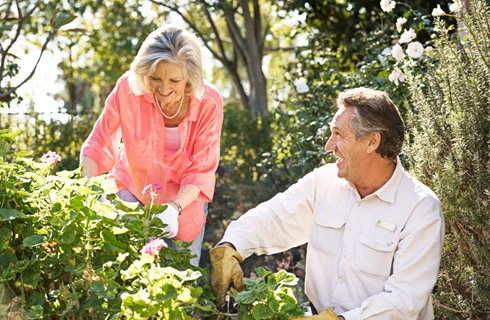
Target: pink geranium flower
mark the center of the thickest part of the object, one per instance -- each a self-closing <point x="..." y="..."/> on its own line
<point x="50" y="157"/>
<point x="153" y="247"/>
<point x="151" y="188"/>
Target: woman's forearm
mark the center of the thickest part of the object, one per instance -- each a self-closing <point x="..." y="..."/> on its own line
<point x="187" y="194"/>
<point x="89" y="167"/>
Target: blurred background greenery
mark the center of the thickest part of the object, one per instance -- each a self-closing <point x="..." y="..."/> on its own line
<point x="279" y="66"/>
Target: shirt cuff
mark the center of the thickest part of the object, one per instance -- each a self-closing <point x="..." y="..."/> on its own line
<point x="354" y="314"/>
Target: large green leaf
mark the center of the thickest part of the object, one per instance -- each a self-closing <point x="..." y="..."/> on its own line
<point x="34" y="240"/>
<point x="10" y="214"/>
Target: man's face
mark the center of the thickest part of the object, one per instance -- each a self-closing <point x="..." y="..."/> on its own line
<point x="350" y="152"/>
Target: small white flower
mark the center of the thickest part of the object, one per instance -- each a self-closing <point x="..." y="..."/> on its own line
<point x="407" y="36"/>
<point x="399" y="24"/>
<point x="437" y="12"/>
<point x="397" y="52"/>
<point x="396" y="76"/>
<point x="301" y="85"/>
<point x="387" y="5"/>
<point x="429" y="50"/>
<point x="415" y="50"/>
<point x="455" y="7"/>
<point x="386" y="51"/>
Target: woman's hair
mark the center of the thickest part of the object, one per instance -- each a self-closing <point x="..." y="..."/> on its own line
<point x="375" y="112"/>
<point x="171" y="44"/>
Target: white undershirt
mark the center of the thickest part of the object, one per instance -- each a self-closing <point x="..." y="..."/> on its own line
<point x="172" y="140"/>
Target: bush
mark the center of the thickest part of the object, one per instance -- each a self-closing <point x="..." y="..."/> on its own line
<point x="449" y="150"/>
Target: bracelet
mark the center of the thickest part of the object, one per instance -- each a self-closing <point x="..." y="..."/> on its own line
<point x="179" y="207"/>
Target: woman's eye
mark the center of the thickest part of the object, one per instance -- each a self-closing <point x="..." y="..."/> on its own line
<point x="154" y="78"/>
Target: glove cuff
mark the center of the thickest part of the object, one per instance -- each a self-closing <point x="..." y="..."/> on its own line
<point x="220" y="252"/>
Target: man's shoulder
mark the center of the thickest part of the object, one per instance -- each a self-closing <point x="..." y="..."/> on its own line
<point x="411" y="185"/>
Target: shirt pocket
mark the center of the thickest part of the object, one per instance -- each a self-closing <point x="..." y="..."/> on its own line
<point x="375" y="253"/>
<point x="328" y="230"/>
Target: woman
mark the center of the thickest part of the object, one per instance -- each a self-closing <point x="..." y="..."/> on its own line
<point x="169" y="122"/>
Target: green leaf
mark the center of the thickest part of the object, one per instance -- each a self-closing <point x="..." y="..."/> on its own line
<point x="261" y="311"/>
<point x="10" y="214"/>
<point x="5" y="236"/>
<point x="21" y="154"/>
<point x="62" y="19"/>
<point x="68" y="235"/>
<point x="118" y="230"/>
<point x="35" y="312"/>
<point x="246" y="297"/>
<point x="30" y="277"/>
<point x="33" y="240"/>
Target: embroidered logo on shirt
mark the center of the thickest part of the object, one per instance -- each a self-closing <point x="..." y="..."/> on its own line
<point x="385" y="225"/>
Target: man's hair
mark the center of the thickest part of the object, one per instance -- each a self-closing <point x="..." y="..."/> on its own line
<point x="375" y="112"/>
<point x="172" y="44"/>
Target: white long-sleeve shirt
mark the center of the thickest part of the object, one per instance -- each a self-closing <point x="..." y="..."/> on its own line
<point x="371" y="258"/>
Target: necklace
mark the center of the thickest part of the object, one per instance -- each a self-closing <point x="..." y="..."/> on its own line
<point x="163" y="113"/>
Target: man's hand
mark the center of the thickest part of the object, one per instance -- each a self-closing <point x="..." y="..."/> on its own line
<point x="328" y="314"/>
<point x="226" y="269"/>
<point x="170" y="217"/>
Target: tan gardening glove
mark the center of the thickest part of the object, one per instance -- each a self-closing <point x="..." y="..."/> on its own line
<point x="328" y="314"/>
<point x="225" y="262"/>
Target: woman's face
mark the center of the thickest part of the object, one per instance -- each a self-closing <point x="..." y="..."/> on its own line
<point x="168" y="82"/>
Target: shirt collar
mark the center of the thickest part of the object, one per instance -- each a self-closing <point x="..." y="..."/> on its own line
<point x="388" y="191"/>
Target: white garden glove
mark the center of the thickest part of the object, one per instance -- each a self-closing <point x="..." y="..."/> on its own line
<point x="170" y="217"/>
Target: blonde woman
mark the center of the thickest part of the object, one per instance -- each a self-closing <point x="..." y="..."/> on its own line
<point x="169" y="122"/>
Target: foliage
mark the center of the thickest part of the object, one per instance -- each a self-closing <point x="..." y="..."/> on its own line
<point x="63" y="250"/>
<point x="450" y="152"/>
<point x="63" y="134"/>
<point x="34" y="21"/>
<point x="269" y="296"/>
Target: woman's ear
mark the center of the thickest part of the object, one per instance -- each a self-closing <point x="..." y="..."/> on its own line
<point x="374" y="142"/>
<point x="188" y="89"/>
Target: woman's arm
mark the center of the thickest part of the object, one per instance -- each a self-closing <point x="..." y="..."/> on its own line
<point x="187" y="194"/>
<point x="89" y="167"/>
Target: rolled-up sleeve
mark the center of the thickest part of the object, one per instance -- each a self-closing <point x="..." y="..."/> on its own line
<point x="278" y="224"/>
<point x="206" y="151"/>
<point x="102" y="143"/>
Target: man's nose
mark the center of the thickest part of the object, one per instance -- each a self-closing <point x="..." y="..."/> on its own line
<point x="329" y="146"/>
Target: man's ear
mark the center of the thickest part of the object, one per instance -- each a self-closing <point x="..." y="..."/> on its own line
<point x="374" y="142"/>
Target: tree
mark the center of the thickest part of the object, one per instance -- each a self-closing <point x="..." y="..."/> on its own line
<point x="19" y="20"/>
<point x="235" y="33"/>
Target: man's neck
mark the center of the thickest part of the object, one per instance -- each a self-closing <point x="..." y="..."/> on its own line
<point x="378" y="173"/>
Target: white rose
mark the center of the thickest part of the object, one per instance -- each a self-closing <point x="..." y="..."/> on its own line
<point x="415" y="50"/>
<point x="387" y="5"/>
<point x="396" y="76"/>
<point x="437" y="12"/>
<point x="397" y="52"/>
<point x="455" y="7"/>
<point x="301" y="85"/>
<point x="399" y="24"/>
<point x="407" y="36"/>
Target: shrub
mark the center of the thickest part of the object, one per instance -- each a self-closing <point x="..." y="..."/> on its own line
<point x="449" y="150"/>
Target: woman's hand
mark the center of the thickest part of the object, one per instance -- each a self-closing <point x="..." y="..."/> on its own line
<point x="170" y="217"/>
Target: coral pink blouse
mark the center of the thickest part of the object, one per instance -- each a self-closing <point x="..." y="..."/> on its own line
<point x="140" y="160"/>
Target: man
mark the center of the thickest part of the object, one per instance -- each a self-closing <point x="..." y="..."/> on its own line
<point x="374" y="232"/>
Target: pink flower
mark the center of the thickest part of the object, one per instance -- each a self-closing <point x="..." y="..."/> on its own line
<point x="154" y="246"/>
<point x="50" y="157"/>
<point x="151" y="188"/>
